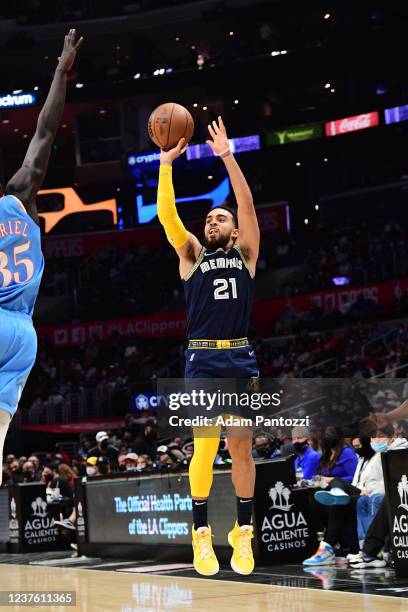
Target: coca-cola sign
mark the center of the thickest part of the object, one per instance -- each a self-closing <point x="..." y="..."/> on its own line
<point x="352" y="124"/>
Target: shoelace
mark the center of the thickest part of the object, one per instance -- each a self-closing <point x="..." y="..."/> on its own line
<point x="243" y="540"/>
<point x="204" y="545"/>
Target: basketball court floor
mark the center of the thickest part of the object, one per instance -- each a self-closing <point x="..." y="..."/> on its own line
<point x="131" y="586"/>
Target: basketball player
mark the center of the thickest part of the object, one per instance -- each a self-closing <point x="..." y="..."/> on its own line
<point x="21" y="259"/>
<point x="218" y="282"/>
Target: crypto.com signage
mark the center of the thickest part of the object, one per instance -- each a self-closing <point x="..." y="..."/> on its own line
<point x="17" y="100"/>
<point x="352" y="124"/>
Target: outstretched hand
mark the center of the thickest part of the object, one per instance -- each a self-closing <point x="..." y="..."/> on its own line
<point x="69" y="51"/>
<point x="219" y="143"/>
<point x="167" y="157"/>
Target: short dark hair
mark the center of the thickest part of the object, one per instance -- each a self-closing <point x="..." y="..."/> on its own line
<point x="230" y="210"/>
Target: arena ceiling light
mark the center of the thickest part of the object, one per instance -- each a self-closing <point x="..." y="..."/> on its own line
<point x="79" y="85"/>
<point x="137" y="75"/>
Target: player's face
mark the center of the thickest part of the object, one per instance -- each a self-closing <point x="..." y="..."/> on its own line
<point x="219" y="230"/>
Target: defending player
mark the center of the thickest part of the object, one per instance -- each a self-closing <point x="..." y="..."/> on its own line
<point x="21" y="259"/>
<point x="218" y="282"/>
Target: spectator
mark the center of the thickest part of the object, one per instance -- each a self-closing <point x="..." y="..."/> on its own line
<point x="307" y="459"/>
<point x="131" y="462"/>
<point x="29" y="473"/>
<point x="338" y="459"/>
<point x="340" y="499"/>
<point x="103" y="448"/>
<point x="264" y="448"/>
<point x="145" y="444"/>
<point x="65" y="458"/>
<point x="92" y="468"/>
<point x="378" y="531"/>
<point x="68" y="474"/>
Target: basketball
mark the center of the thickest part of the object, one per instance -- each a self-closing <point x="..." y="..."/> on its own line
<point x="168" y="123"/>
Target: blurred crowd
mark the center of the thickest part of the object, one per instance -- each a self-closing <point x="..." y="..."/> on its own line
<point x="355" y="255"/>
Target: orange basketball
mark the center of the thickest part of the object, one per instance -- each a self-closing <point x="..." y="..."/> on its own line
<point x="168" y="123"/>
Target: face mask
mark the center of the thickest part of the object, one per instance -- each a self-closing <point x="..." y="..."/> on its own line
<point x="379" y="447"/>
<point x="27" y="474"/>
<point x="90" y="470"/>
<point x="360" y="452"/>
<point x="300" y="447"/>
<point x="331" y="441"/>
<point x="48" y="477"/>
<point x="263" y="452"/>
<point x="104" y="445"/>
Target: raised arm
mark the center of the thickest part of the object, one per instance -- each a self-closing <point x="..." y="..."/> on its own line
<point x="248" y="239"/>
<point x="186" y="245"/>
<point x="28" y="179"/>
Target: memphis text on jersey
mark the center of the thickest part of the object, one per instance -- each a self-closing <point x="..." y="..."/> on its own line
<point x="221" y="262"/>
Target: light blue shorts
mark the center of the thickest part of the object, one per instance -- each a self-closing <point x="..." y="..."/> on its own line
<point x="18" y="348"/>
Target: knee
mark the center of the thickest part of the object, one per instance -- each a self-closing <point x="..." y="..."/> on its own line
<point x="241" y="450"/>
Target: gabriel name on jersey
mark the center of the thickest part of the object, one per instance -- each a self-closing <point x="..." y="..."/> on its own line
<point x="13" y="226"/>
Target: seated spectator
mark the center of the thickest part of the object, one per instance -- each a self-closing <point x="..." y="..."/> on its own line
<point x="339" y="499"/>
<point x="29" y="472"/>
<point x="131" y="462"/>
<point x="383" y="441"/>
<point x="338" y="460"/>
<point x="36" y="462"/>
<point x="68" y="474"/>
<point x="307" y="459"/>
<point x="169" y="457"/>
<point x="143" y="463"/>
<point x="122" y="462"/>
<point x="264" y="448"/>
<point x="55" y="481"/>
<point x="92" y="468"/>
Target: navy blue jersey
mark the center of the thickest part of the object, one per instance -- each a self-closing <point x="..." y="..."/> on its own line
<point x="219" y="293"/>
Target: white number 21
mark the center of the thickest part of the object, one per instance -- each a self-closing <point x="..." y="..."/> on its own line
<point x="221" y="290"/>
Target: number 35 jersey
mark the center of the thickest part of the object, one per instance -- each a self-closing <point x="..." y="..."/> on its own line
<point x="21" y="259"/>
<point x="219" y="294"/>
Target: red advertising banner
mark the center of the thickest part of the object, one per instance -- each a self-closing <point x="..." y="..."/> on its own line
<point x="352" y="124"/>
<point x="78" y="426"/>
<point x="265" y="313"/>
<point x="160" y="325"/>
<point x="272" y="217"/>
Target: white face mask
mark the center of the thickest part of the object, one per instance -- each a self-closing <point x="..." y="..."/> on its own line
<point x="90" y="470"/>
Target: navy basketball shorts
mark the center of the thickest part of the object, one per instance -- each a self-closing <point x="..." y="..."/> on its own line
<point x="238" y="365"/>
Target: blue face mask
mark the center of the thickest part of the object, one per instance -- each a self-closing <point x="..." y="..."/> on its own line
<point x="379" y="447"/>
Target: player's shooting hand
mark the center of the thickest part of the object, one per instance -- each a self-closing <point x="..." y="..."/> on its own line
<point x="219" y="143"/>
<point x="69" y="51"/>
<point x="167" y="157"/>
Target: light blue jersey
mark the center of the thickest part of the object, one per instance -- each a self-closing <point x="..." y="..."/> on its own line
<point x="21" y="259"/>
<point x="21" y="268"/>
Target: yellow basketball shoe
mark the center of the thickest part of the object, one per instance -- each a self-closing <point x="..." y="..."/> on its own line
<point x="242" y="560"/>
<point x="205" y="562"/>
